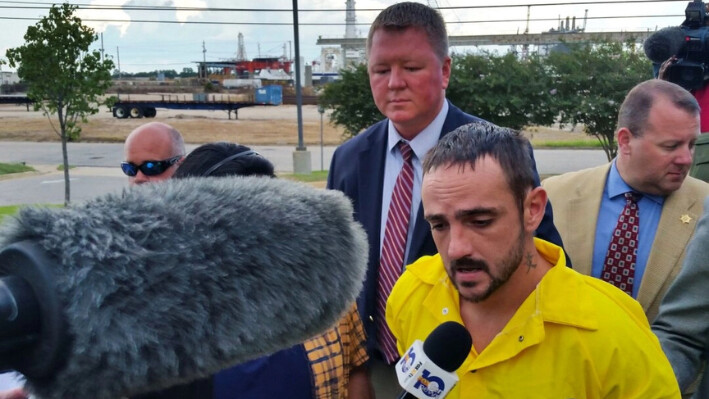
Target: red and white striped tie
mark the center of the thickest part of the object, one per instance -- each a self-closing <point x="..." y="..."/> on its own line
<point x="393" y="248"/>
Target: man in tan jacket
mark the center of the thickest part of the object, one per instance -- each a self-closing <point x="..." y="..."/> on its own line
<point x="646" y="184"/>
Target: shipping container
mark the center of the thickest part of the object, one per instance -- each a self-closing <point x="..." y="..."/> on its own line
<point x="271" y="94"/>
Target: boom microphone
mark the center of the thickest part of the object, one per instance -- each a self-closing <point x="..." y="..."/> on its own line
<point x="428" y="370"/>
<point x="663" y="44"/>
<point x="171" y="282"/>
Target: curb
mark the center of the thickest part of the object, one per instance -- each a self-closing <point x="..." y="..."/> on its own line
<point x="41" y="170"/>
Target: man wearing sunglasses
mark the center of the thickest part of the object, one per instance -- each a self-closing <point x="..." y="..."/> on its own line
<point x="152" y="153"/>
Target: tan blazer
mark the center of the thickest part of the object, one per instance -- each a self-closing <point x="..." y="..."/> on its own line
<point x="576" y="199"/>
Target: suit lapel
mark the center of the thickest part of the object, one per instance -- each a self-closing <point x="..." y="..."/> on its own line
<point x="370" y="177"/>
<point x="580" y="218"/>
<point x="670" y="241"/>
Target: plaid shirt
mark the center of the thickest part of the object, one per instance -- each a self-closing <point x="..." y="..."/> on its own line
<point x="334" y="354"/>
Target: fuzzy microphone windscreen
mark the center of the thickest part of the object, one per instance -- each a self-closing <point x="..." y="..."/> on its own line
<point x="170" y="282"/>
<point x="663" y="44"/>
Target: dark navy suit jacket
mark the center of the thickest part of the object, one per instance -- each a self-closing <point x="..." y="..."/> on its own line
<point x="357" y="169"/>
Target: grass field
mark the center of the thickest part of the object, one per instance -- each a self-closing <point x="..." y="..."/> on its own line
<point x="255" y="126"/>
<point x="314" y="176"/>
<point x="7" y="168"/>
<point x="7" y="210"/>
<point x="568" y="144"/>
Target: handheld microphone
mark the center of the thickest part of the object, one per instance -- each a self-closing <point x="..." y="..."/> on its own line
<point x="663" y="44"/>
<point x="428" y="370"/>
<point x="171" y="282"/>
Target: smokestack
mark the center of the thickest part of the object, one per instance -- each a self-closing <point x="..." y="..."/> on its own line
<point x="350" y="19"/>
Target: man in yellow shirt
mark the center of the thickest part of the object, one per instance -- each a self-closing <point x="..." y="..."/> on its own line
<point x="539" y="329"/>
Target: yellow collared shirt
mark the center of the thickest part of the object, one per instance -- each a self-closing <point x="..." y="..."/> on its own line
<point x="575" y="336"/>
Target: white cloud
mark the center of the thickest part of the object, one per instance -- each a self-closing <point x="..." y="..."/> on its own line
<point x="148" y="46"/>
<point x="184" y="16"/>
<point x="101" y="26"/>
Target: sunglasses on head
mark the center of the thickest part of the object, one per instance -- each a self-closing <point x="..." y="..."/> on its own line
<point x="149" y="168"/>
<point x="228" y="159"/>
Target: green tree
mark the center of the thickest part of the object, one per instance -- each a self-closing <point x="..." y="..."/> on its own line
<point x="351" y="100"/>
<point x="503" y="89"/>
<point x="116" y="74"/>
<point x="591" y="82"/>
<point x="64" y="78"/>
<point x="188" y="73"/>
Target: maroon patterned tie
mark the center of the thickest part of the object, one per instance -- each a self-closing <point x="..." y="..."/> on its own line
<point x="619" y="268"/>
<point x="393" y="248"/>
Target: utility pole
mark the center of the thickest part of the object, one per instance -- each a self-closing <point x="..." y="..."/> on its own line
<point x="321" y="110"/>
<point x="118" y="55"/>
<point x="525" y="47"/>
<point x="204" y="59"/>
<point x="102" y="57"/>
<point x="301" y="157"/>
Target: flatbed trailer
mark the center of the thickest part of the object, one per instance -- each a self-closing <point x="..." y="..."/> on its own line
<point x="10" y="99"/>
<point x="148" y="109"/>
<point x="267" y="95"/>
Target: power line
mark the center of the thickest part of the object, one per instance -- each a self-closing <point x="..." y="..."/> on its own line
<point x="85" y="6"/>
<point x="339" y="23"/>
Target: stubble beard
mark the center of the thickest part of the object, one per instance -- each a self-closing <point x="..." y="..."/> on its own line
<point x="507" y="267"/>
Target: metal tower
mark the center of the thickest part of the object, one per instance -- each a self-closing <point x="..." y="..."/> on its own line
<point x="241" y="51"/>
<point x="350" y="32"/>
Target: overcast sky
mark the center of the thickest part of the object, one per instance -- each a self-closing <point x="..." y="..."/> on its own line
<point x="147" y="46"/>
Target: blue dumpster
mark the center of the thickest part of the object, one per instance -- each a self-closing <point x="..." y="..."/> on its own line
<point x="271" y="94"/>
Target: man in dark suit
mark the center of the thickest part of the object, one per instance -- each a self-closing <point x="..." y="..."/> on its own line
<point x="409" y="70"/>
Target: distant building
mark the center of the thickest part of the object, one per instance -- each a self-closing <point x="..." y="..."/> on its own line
<point x="9" y="78"/>
<point x="327" y="68"/>
<point x="244" y="69"/>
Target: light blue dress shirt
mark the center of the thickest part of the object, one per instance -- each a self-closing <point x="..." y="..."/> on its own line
<point x="612" y="204"/>
<point x="420" y="145"/>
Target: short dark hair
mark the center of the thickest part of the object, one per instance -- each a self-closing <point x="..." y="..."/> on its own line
<point x="635" y="110"/>
<point x="468" y="143"/>
<point x="203" y="159"/>
<point x="401" y="16"/>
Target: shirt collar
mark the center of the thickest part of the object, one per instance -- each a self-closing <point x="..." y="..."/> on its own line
<point x="617" y="186"/>
<point x="423" y="141"/>
<point x="557" y="295"/>
<point x="560" y="282"/>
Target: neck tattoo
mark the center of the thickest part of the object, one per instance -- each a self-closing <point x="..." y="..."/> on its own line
<point x="530" y="262"/>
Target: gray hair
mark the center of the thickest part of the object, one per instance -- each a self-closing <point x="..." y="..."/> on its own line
<point x="178" y="143"/>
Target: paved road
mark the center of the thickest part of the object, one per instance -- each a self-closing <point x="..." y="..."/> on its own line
<point x="97" y="170"/>
<point x="110" y="155"/>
